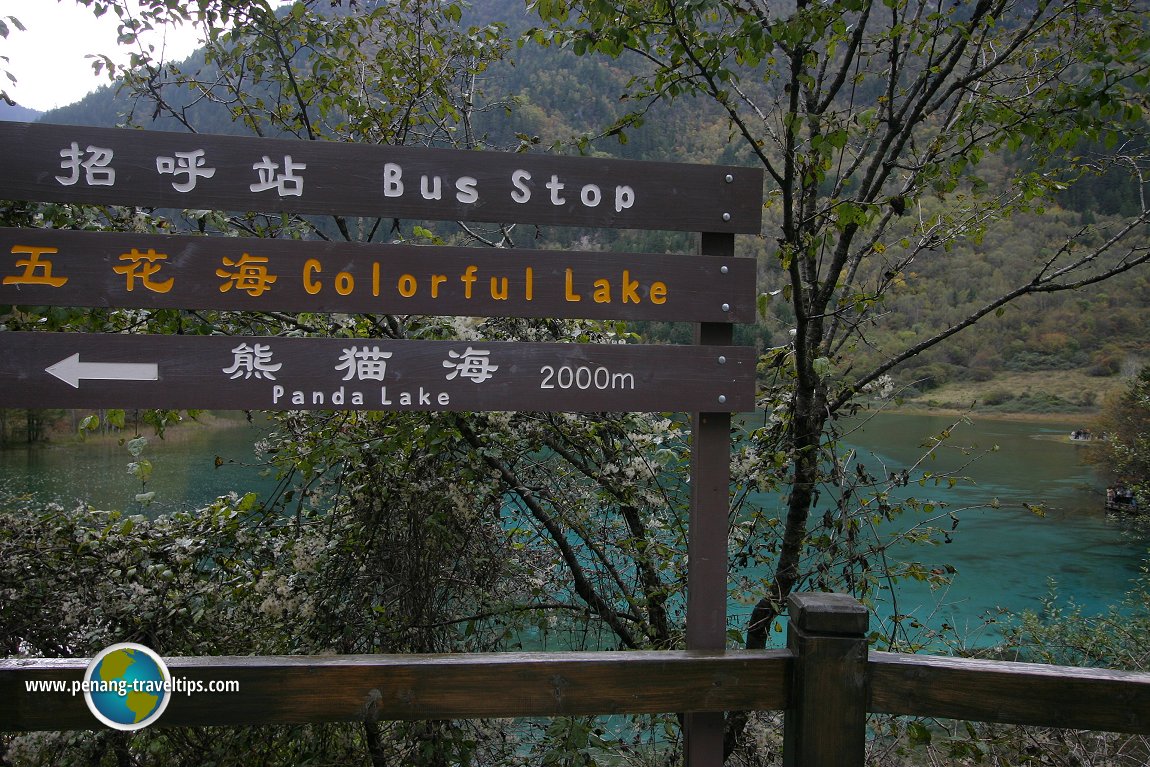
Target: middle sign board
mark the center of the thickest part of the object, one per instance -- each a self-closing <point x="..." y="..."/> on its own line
<point x="84" y="370"/>
<point x="53" y="267"/>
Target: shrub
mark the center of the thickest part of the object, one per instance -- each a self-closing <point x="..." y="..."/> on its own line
<point x="997" y="397"/>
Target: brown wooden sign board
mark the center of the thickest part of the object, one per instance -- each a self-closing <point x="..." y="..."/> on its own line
<point x="154" y="169"/>
<point x="53" y="267"/>
<point x="79" y="370"/>
<point x="159" y="169"/>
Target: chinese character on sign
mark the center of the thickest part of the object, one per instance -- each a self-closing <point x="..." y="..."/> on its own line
<point x="142" y="267"/>
<point x="253" y="361"/>
<point x="37" y="271"/>
<point x="366" y="364"/>
<point x="472" y="363"/>
<point x="248" y="273"/>
<point x="96" y="166"/>
<point x="286" y="183"/>
<point x="187" y="164"/>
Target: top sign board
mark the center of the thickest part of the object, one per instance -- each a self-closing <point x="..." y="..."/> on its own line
<point x="180" y="170"/>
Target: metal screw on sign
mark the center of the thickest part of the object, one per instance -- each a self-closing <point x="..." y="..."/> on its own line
<point x="722" y="399"/>
<point x="723" y="270"/>
<point x="726" y="216"/>
<point x="730" y="178"/>
<point x="726" y="307"/>
<point x="722" y="360"/>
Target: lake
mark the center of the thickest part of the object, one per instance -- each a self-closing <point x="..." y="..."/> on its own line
<point x="1004" y="557"/>
<point x="1007" y="557"/>
<point x="185" y="474"/>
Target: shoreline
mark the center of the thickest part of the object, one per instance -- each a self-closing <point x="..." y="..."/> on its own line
<point x="187" y="428"/>
<point x="1067" y="418"/>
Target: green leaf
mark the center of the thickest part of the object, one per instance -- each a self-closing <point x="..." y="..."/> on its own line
<point x="918" y="733"/>
<point x="141" y="470"/>
<point x="116" y="418"/>
<point x="850" y="214"/>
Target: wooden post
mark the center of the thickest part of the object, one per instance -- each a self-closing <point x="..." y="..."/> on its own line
<point x="826" y="722"/>
<point x="707" y="539"/>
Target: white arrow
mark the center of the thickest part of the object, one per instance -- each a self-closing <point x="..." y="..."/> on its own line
<point x="71" y="371"/>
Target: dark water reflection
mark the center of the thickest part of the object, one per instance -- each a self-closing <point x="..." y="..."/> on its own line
<point x="184" y="474"/>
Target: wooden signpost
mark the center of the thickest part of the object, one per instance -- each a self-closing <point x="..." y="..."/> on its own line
<point x="710" y="378"/>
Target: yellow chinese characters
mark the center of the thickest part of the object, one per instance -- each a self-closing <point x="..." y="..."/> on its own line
<point x="37" y="270"/>
<point x="142" y="267"/>
<point x="248" y="273"/>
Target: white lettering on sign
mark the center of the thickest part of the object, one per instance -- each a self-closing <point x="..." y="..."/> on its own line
<point x="252" y="361"/>
<point x="190" y="165"/>
<point x="473" y="364"/>
<point x="430" y="187"/>
<point x="92" y="165"/>
<point x="590" y="195"/>
<point x="468" y="193"/>
<point x="584" y="377"/>
<point x="364" y="364"/>
<point x="392" y="180"/>
<point x="521" y="193"/>
<point x="337" y="398"/>
<point x="287" y="183"/>
<point x="420" y="397"/>
<point x="95" y="161"/>
<point x="467" y="189"/>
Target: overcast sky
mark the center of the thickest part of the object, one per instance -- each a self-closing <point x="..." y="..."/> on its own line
<point x="48" y="60"/>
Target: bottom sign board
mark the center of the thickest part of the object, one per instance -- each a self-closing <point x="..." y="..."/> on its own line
<point x="77" y="370"/>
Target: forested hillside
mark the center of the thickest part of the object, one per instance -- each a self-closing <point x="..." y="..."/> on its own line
<point x="548" y="99"/>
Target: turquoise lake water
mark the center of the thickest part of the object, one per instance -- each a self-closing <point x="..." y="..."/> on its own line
<point x="1007" y="557"/>
<point x="1004" y="557"/>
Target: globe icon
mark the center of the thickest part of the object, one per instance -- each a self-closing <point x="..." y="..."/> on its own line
<point x="127" y="686"/>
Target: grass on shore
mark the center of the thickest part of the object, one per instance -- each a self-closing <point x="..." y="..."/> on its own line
<point x="1040" y="394"/>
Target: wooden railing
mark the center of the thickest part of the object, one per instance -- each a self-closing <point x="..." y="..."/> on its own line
<point x="826" y="682"/>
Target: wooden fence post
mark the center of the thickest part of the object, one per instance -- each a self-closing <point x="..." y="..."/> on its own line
<point x="826" y="722"/>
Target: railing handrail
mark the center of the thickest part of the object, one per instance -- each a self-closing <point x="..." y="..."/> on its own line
<point x="824" y="663"/>
<point x="302" y="688"/>
<point x="1009" y="692"/>
<point x="299" y="689"/>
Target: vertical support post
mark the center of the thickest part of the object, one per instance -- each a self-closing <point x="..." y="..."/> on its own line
<point x="707" y="534"/>
<point x="826" y="723"/>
